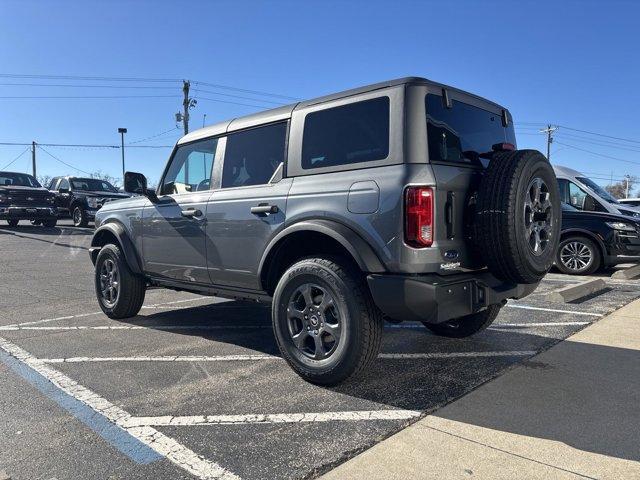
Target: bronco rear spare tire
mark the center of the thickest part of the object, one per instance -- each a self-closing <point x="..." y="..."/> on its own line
<point x="518" y="216"/>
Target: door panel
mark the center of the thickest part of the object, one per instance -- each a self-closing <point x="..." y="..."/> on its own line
<point x="237" y="238"/>
<point x="173" y="244"/>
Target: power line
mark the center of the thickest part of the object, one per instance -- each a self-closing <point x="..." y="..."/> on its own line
<point x="227" y="101"/>
<point x="601" y="134"/>
<point x="12" y="161"/>
<point x="238" y="96"/>
<point x="76" y="77"/>
<point x="70" y="85"/>
<point x="244" y="90"/>
<point x="84" y="145"/>
<point x="86" y="97"/>
<point x="601" y="143"/>
<point x="598" y="154"/>
<point x="153" y="136"/>
<point x="61" y="161"/>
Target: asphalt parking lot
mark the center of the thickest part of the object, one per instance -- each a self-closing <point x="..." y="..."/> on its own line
<point x="194" y="388"/>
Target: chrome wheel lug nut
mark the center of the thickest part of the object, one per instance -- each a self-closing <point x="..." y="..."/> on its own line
<point x="315" y="331"/>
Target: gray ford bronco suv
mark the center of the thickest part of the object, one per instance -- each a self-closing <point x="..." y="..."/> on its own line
<point x="405" y="200"/>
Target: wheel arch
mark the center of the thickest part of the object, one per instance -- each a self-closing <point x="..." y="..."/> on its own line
<point x="310" y="237"/>
<point x="115" y="232"/>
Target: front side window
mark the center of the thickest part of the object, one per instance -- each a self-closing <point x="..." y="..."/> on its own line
<point x="64" y="184"/>
<point x="252" y="156"/>
<point x="461" y="133"/>
<point x="575" y="196"/>
<point x="53" y="184"/>
<point x="353" y="133"/>
<point x="190" y="168"/>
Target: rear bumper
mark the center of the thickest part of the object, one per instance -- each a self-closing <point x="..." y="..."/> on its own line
<point x="435" y="298"/>
<point x="27" y="213"/>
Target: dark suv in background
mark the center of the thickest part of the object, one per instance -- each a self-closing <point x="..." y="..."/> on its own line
<point x="80" y="198"/>
<point x="406" y="200"/>
<point x="23" y="198"/>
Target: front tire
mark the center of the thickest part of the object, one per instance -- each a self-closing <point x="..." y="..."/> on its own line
<point x="120" y="293"/>
<point x="465" y="326"/>
<point x="50" y="223"/>
<point x="578" y="256"/>
<point x="79" y="217"/>
<point x="13" y="223"/>
<point x="325" y="322"/>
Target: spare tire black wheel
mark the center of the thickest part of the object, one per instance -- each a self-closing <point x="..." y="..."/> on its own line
<point x="518" y="216"/>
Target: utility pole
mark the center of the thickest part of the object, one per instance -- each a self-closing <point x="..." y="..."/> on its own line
<point x="185" y="105"/>
<point x="33" y="158"/>
<point x="122" y="131"/>
<point x="626" y="189"/>
<point x="549" y="131"/>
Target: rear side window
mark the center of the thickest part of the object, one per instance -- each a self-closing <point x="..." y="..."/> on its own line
<point x="354" y="133"/>
<point x="460" y="133"/>
<point x="252" y="156"/>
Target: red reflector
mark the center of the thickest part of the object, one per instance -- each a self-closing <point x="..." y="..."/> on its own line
<point x="501" y="147"/>
<point x="418" y="230"/>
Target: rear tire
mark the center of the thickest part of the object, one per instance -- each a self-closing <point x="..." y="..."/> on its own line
<point x="36" y="223"/>
<point x="325" y="322"/>
<point x="578" y="255"/>
<point x="467" y="325"/>
<point x="13" y="223"/>
<point x="50" y="223"/>
<point x="79" y="217"/>
<point x="518" y="216"/>
<point x="120" y="293"/>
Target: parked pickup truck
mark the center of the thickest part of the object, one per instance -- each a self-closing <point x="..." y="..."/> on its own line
<point x="23" y="198"/>
<point x="405" y="200"/>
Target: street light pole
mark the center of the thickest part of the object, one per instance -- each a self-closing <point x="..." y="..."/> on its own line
<point x="122" y="131"/>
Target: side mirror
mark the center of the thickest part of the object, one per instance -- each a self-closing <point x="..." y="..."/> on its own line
<point x="137" y="183"/>
<point x="589" y="204"/>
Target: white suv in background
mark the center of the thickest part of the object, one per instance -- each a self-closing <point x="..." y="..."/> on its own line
<point x="581" y="192"/>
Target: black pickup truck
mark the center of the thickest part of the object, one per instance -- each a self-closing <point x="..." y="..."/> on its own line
<point x="81" y="198"/>
<point x="23" y="198"/>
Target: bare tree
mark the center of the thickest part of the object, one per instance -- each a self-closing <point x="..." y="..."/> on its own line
<point x="44" y="180"/>
<point x="115" y="181"/>
<point x="619" y="189"/>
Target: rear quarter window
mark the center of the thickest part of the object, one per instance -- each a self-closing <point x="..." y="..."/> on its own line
<point x="348" y="134"/>
<point x="460" y="133"/>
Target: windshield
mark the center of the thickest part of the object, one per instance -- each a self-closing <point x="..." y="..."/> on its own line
<point x="17" y="180"/>
<point x="92" y="185"/>
<point x="461" y="133"/>
<point x="598" y="189"/>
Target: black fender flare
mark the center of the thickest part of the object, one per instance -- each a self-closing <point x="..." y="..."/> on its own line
<point x="357" y="247"/>
<point x="590" y="235"/>
<point x="118" y="231"/>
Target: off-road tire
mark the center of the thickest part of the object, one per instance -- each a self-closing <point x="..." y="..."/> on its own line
<point x="362" y="323"/>
<point x="49" y="223"/>
<point x="467" y="325"/>
<point x="500" y="229"/>
<point x="13" y="223"/>
<point x="594" y="263"/>
<point x="132" y="287"/>
<point x="79" y="217"/>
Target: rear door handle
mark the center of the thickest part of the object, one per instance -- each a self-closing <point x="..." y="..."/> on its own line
<point x="191" y="213"/>
<point x="263" y="208"/>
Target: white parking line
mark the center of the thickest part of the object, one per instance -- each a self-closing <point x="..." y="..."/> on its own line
<point x="159" y="442"/>
<point x="134" y="327"/>
<point x="190" y="358"/>
<point x="555" y="310"/>
<point x="191" y="420"/>
<point x="538" y="324"/>
<point x="260" y="357"/>
<point x="398" y="356"/>
<point x="81" y="315"/>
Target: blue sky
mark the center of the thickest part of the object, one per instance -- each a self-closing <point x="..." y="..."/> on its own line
<point x="569" y="63"/>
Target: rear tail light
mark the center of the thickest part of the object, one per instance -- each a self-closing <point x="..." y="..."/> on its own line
<point x="418" y="207"/>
